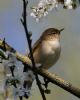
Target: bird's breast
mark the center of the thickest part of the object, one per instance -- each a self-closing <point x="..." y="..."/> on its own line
<point x="50" y="47"/>
<point x="48" y="53"/>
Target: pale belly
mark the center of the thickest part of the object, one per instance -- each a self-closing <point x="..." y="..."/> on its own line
<point x="48" y="54"/>
<point x="48" y="61"/>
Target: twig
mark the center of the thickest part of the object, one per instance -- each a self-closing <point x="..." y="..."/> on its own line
<point x="4" y="44"/>
<point x="55" y="79"/>
<point x="24" y="23"/>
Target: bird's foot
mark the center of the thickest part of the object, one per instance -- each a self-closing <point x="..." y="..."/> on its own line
<point x="46" y="82"/>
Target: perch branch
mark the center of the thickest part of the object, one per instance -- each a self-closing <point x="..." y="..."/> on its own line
<point x="44" y="73"/>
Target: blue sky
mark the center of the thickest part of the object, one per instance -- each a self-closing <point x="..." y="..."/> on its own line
<point x="68" y="65"/>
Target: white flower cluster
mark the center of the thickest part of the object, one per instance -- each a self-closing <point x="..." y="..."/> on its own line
<point x="68" y="4"/>
<point x="11" y="61"/>
<point x="21" y="91"/>
<point x="71" y="4"/>
<point x="19" y="76"/>
<point x="43" y="8"/>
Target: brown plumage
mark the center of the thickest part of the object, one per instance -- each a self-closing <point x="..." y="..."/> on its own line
<point x="46" y="50"/>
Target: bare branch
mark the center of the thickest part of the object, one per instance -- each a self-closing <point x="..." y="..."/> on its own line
<point x="24" y="23"/>
<point x="44" y="73"/>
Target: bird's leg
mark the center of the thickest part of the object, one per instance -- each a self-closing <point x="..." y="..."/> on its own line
<point x="46" y="82"/>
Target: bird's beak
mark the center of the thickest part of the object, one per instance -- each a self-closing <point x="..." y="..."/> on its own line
<point x="61" y="30"/>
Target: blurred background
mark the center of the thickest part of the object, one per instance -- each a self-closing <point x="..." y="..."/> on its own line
<point x="68" y="66"/>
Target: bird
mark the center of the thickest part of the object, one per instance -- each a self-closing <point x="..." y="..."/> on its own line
<point x="46" y="50"/>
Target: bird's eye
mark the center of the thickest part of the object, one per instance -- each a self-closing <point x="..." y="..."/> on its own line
<point x="53" y="32"/>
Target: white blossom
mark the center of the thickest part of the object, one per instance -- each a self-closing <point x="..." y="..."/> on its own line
<point x="68" y="4"/>
<point x="71" y="4"/>
<point x="43" y="8"/>
<point x="19" y="75"/>
<point x="20" y="91"/>
<point x="12" y="62"/>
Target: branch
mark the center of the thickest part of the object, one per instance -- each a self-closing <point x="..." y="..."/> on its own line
<point x="24" y="23"/>
<point x="44" y="73"/>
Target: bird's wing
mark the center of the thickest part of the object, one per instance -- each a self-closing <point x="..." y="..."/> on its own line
<point x="35" y="45"/>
